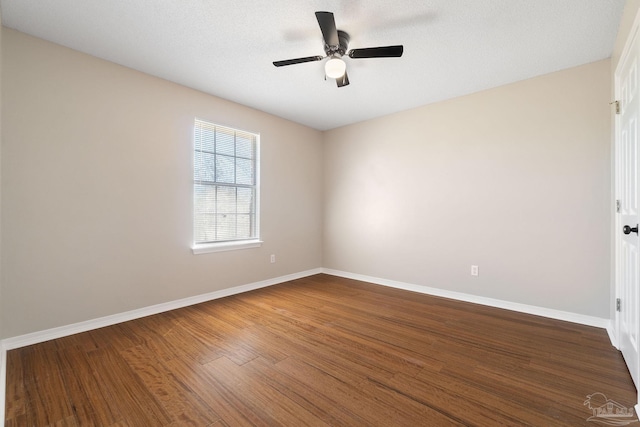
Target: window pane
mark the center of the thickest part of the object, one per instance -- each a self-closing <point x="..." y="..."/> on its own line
<point x="225" y="143"/>
<point x="224" y="169"/>
<point x="204" y="209"/>
<point x="204" y="198"/>
<point x="244" y="171"/>
<point x="244" y="147"/>
<point x="205" y="139"/>
<point x="226" y="227"/>
<point x="244" y="226"/>
<point x="245" y="200"/>
<point x="226" y="200"/>
<point x="204" y="227"/>
<point x="203" y="167"/>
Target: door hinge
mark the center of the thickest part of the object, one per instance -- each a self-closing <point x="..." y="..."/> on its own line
<point x="618" y="304"/>
<point x="618" y="206"/>
<point x="617" y="104"/>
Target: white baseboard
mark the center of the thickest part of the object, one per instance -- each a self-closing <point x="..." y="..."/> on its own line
<point x="522" y="308"/>
<point x="613" y="337"/>
<point x="63" y="331"/>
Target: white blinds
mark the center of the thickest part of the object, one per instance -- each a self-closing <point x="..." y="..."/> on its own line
<point x="224" y="184"/>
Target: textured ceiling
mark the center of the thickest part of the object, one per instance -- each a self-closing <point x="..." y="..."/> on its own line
<point x="226" y="47"/>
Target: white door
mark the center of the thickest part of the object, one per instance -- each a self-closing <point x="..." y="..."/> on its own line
<point x="627" y="241"/>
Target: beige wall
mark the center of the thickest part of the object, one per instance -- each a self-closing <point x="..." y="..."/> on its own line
<point x="96" y="197"/>
<point x="514" y="179"/>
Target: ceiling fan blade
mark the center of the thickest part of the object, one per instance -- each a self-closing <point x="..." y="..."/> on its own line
<point x="297" y="61"/>
<point x="328" y="28"/>
<point x="377" y="52"/>
<point x="343" y="81"/>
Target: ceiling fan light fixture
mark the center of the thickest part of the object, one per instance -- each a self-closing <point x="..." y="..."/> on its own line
<point x="336" y="45"/>
<point x="335" y="68"/>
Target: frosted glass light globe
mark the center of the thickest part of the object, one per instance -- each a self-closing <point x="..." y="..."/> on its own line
<point x="335" y="68"/>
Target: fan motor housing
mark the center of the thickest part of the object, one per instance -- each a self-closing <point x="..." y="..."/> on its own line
<point x="343" y="45"/>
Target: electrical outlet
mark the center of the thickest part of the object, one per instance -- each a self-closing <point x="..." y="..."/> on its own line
<point x="474" y="270"/>
<point x="273" y="258"/>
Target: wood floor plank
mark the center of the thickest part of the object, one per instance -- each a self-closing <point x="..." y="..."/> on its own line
<point x="120" y="336"/>
<point x="317" y="403"/>
<point x="193" y="341"/>
<point x="183" y="407"/>
<point x="265" y="401"/>
<point x="218" y="334"/>
<point x="43" y="383"/>
<point x="472" y="406"/>
<point x="85" y="340"/>
<point x="540" y="396"/>
<point x="234" y="335"/>
<point x="215" y="394"/>
<point x="321" y="350"/>
<point x="83" y="389"/>
<point x="15" y="397"/>
<point x="378" y="328"/>
<point x="360" y="400"/>
<point x="347" y="394"/>
<point x="308" y="344"/>
<point x="137" y="404"/>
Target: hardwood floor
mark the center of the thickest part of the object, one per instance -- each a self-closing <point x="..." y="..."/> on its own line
<point x="319" y="351"/>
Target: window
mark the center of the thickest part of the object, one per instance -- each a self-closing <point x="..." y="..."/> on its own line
<point x="225" y="188"/>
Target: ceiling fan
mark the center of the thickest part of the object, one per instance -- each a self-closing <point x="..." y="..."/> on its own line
<point x="335" y="46"/>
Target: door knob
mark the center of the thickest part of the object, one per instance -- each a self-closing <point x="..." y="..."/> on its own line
<point x="627" y="230"/>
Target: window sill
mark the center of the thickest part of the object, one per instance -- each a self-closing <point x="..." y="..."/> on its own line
<point x="225" y="246"/>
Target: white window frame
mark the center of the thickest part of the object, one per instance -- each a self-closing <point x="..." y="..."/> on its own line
<point x="228" y="245"/>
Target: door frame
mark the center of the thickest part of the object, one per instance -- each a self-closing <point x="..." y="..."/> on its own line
<point x="616" y="223"/>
